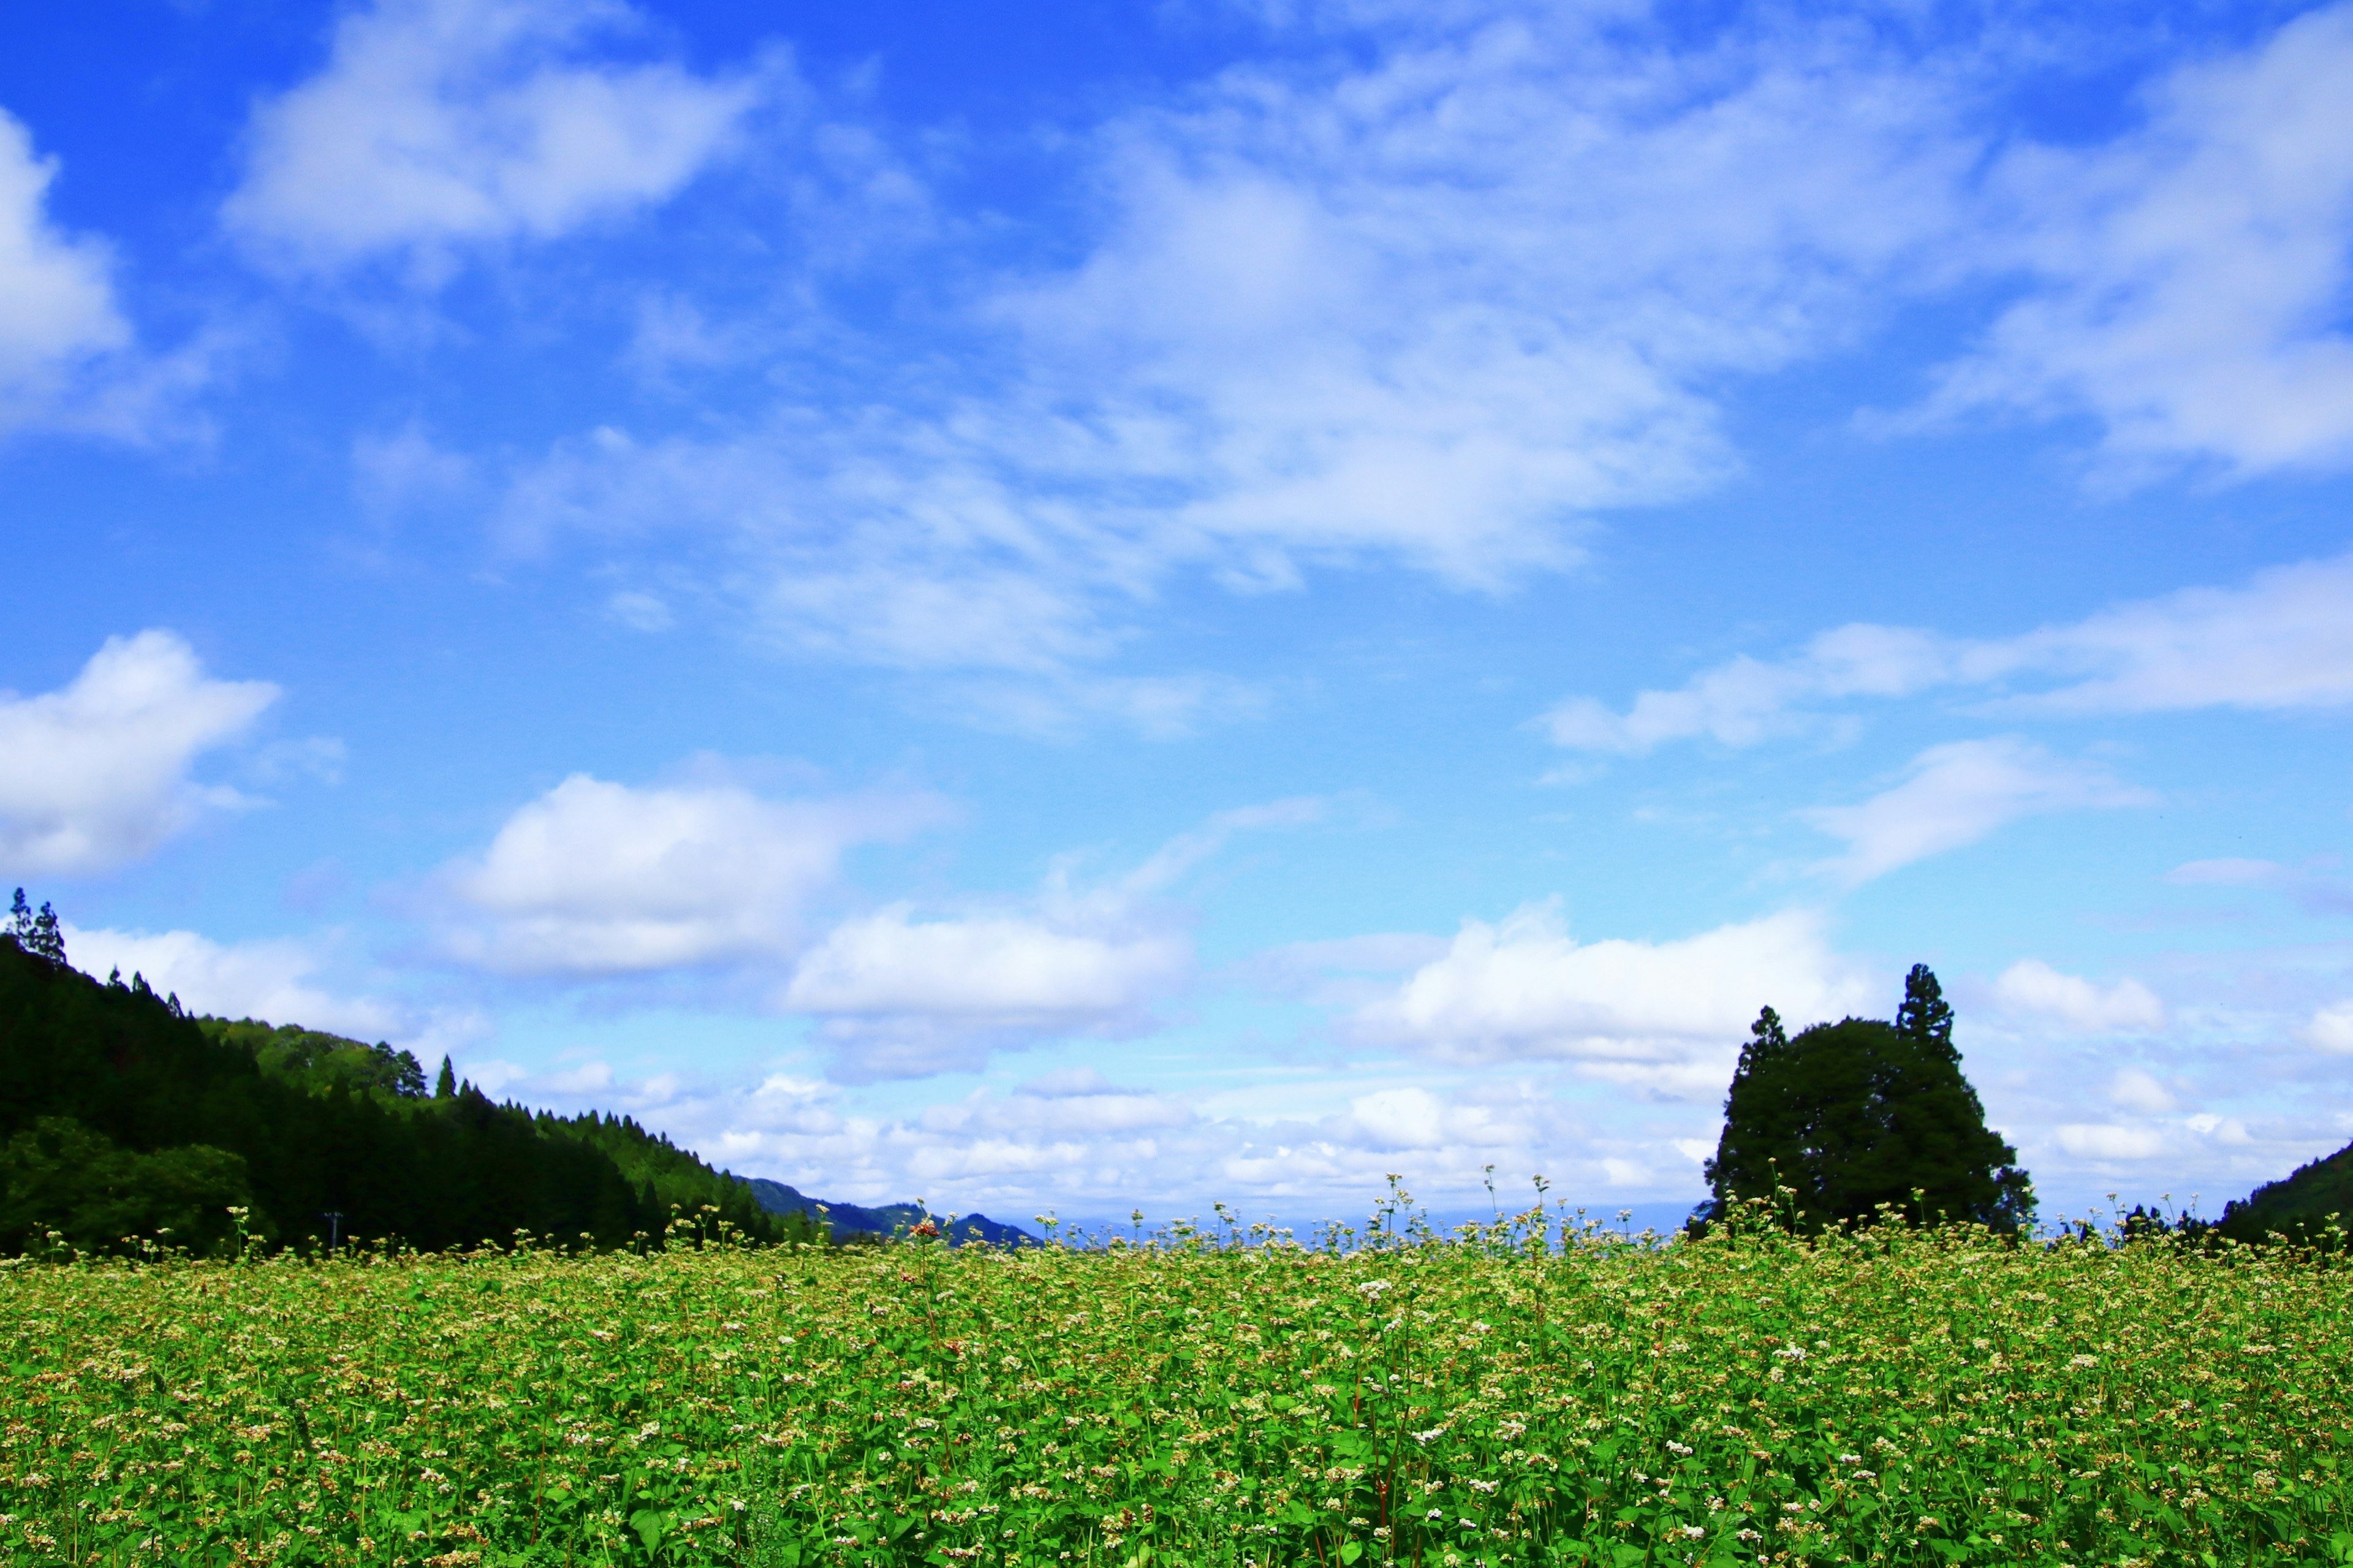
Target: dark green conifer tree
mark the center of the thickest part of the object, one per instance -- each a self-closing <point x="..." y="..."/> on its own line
<point x="38" y="934"/>
<point x="1859" y="1114"/>
<point x="446" y="1086"/>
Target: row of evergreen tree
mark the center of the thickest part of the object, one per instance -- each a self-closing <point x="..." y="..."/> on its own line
<point x="121" y="1116"/>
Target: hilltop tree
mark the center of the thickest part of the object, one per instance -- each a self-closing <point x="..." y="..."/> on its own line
<point x="1861" y="1114"/>
<point x="445" y="1087"/>
<point x="37" y="934"/>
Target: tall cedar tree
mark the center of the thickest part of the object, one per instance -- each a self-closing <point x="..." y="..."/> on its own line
<point x="37" y="934"/>
<point x="1861" y="1114"/>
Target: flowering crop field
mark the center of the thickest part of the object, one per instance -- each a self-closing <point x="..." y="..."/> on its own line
<point x="1929" y="1397"/>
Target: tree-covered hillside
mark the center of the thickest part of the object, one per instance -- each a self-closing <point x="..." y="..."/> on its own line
<point x="2304" y="1204"/>
<point x="120" y="1115"/>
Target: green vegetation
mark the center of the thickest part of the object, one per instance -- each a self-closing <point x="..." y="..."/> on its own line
<point x="1859" y="1118"/>
<point x="121" y="1117"/>
<point x="2314" y="1204"/>
<point x="1929" y="1396"/>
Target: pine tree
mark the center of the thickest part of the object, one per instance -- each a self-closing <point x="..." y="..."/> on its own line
<point x="1926" y="1016"/>
<point x="38" y="934"/>
<point x="1860" y="1114"/>
<point x="446" y="1086"/>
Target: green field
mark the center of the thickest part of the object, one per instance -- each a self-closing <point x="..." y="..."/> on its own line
<point x="1930" y="1397"/>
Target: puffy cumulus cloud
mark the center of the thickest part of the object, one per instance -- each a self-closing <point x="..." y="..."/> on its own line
<point x="1663" y="1017"/>
<point x="58" y="309"/>
<point x="1086" y="1144"/>
<point x="2134" y="1089"/>
<point x="900" y="996"/>
<point x="2330" y="1028"/>
<point x="442" y="124"/>
<point x="2283" y="641"/>
<point x="276" y="981"/>
<point x="2031" y="986"/>
<point x="1956" y="795"/>
<point x="2188" y="278"/>
<point x="601" y="878"/>
<point x="1392" y="1119"/>
<point x="97" y="773"/>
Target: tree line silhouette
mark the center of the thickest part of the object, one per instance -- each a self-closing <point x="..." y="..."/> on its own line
<point x="121" y="1116"/>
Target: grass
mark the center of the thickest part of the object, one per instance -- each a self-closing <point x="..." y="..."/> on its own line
<point x="1907" y="1397"/>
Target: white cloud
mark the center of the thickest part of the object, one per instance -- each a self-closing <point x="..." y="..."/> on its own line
<point x="1430" y="305"/>
<point x="1745" y="700"/>
<point x="902" y="997"/>
<point x="1438" y="298"/>
<point x="1086" y="1143"/>
<point x="442" y="124"/>
<point x="2188" y="278"/>
<point x="2134" y="1089"/>
<point x="58" y="309"/>
<point x="2113" y="1142"/>
<point x="97" y="775"/>
<point x="2030" y="986"/>
<point x="606" y="878"/>
<point x="1397" y="1120"/>
<point x="2331" y="1028"/>
<point x="2283" y="641"/>
<point x="271" y="981"/>
<point x="1664" y="1015"/>
<point x="1957" y="794"/>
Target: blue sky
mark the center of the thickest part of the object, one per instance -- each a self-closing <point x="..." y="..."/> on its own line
<point x="1077" y="605"/>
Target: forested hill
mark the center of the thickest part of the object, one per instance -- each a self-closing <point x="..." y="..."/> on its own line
<point x="2301" y="1204"/>
<point x="121" y="1117"/>
<point x="849" y="1221"/>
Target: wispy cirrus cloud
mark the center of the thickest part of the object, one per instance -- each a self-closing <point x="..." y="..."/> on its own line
<point x="2282" y="642"/>
<point x="1957" y="794"/>
<point x="1439" y="299"/>
<point x="2188" y="278"/>
<point x="1434" y="306"/>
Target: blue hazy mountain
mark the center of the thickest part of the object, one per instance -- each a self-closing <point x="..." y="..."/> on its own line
<point x="855" y="1220"/>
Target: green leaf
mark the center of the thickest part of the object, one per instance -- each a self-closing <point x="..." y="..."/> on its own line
<point x="1351" y="1551"/>
<point x="651" y="1525"/>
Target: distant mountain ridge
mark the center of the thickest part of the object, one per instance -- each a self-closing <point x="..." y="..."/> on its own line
<point x="855" y="1220"/>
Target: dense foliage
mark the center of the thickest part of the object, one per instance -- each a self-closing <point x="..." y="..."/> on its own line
<point x="121" y="1117"/>
<point x="1859" y="1118"/>
<point x="1904" y="1395"/>
<point x="2314" y="1204"/>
